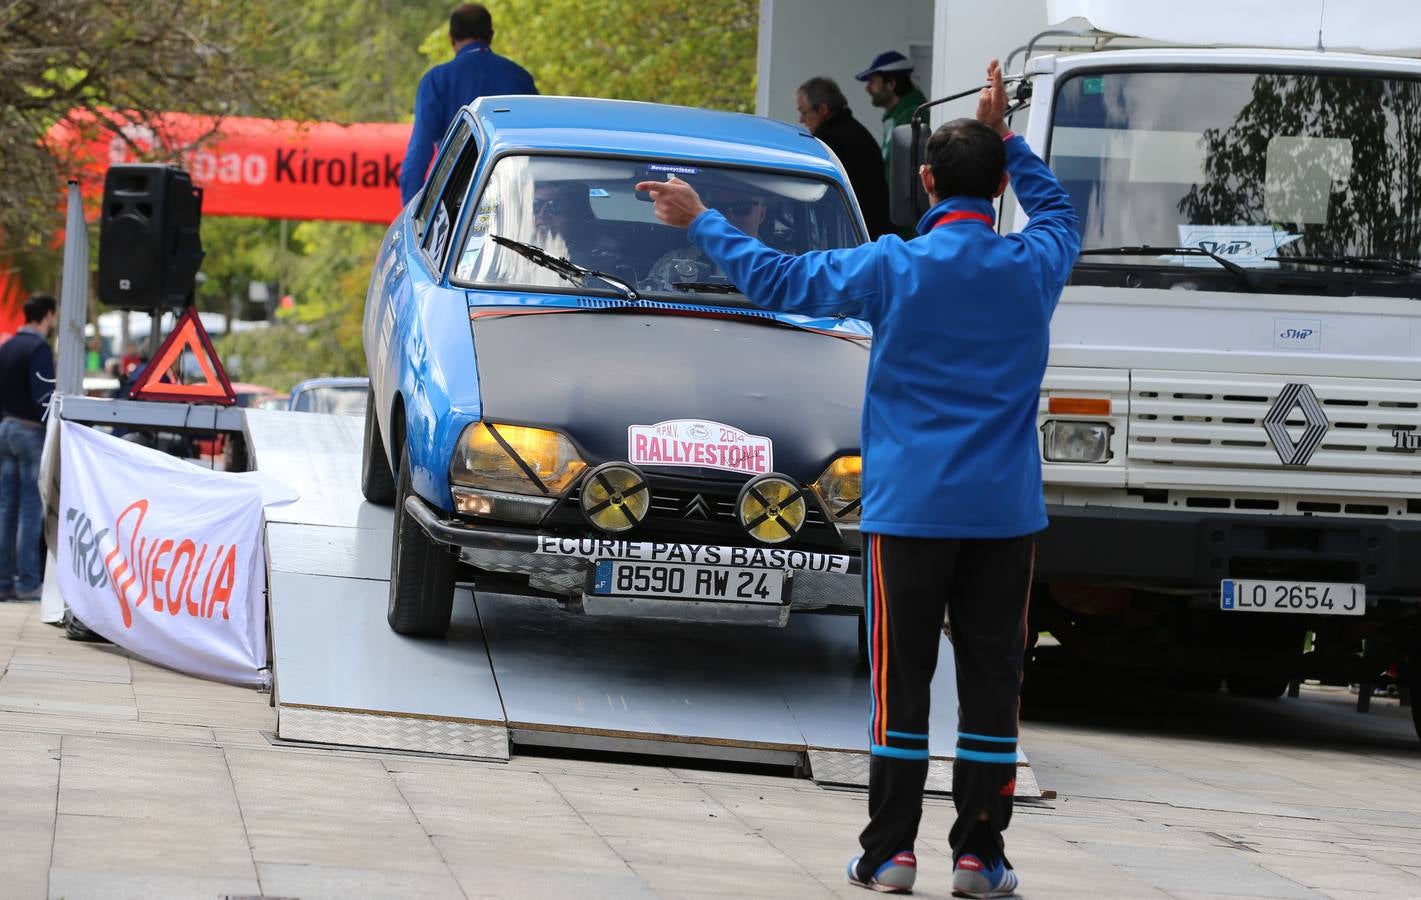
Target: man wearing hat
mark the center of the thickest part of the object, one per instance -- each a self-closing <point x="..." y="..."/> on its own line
<point x="890" y="84"/>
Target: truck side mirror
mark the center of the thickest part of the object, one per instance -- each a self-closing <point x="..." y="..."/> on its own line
<point x="907" y="201"/>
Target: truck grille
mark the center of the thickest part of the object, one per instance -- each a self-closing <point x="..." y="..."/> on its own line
<point x="1205" y="419"/>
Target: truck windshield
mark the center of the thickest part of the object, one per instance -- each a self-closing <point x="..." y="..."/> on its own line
<point x="587" y="210"/>
<point x="1246" y="165"/>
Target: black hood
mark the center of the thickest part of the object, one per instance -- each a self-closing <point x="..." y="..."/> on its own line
<point x="593" y="374"/>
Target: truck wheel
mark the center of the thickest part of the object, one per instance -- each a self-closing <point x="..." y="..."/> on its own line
<point x="377" y="482"/>
<point x="1259" y="686"/>
<point x="421" y="571"/>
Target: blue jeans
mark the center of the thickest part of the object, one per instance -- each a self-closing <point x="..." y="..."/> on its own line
<point x="21" y="515"/>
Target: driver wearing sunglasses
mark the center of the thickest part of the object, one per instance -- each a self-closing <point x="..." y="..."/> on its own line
<point x="745" y="210"/>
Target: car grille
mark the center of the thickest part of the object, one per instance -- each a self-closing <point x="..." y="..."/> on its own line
<point x="1206" y="419"/>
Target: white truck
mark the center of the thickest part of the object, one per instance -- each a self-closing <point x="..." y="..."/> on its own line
<point x="1231" y="416"/>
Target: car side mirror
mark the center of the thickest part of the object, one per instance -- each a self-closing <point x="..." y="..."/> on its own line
<point x="907" y="150"/>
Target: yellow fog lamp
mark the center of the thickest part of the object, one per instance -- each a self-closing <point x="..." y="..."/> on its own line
<point x="615" y="497"/>
<point x="840" y="489"/>
<point x="514" y="459"/>
<point x="771" y="508"/>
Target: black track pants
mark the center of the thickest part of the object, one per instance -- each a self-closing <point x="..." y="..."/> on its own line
<point x="982" y="586"/>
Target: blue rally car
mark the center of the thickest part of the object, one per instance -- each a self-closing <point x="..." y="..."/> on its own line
<point x="568" y="400"/>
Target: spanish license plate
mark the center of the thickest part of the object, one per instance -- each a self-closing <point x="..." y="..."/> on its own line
<point x="688" y="581"/>
<point x="1317" y="598"/>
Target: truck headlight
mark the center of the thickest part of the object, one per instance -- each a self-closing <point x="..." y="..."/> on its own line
<point x="514" y="459"/>
<point x="1075" y="442"/>
<point x="840" y="489"/>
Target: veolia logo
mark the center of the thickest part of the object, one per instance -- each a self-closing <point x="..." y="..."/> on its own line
<point x="1301" y="398"/>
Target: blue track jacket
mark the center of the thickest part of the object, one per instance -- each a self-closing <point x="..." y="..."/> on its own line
<point x="961" y="319"/>
<point x="474" y="72"/>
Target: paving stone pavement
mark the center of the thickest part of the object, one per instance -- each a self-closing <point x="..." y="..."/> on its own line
<point x="121" y="779"/>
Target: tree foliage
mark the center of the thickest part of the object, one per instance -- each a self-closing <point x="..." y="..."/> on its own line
<point x="144" y="56"/>
<point x="663" y="51"/>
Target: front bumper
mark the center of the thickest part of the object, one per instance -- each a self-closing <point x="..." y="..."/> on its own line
<point x="1196" y="550"/>
<point x="561" y="564"/>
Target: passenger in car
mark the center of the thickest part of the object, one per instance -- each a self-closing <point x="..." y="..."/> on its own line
<point x="566" y="225"/>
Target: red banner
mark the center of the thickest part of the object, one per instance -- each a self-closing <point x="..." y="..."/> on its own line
<point x="269" y="168"/>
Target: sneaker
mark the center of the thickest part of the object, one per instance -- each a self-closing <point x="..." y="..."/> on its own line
<point x="893" y="877"/>
<point x="973" y="878"/>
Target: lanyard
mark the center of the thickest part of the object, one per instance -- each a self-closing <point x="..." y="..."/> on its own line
<point x="962" y="215"/>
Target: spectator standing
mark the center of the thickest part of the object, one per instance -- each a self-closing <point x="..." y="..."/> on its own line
<point x="26" y="381"/>
<point x="961" y="320"/>
<point x="824" y="110"/>
<point x="889" y="81"/>
<point x="475" y="71"/>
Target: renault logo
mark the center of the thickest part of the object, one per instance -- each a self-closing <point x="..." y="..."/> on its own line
<point x="1301" y="398"/>
<point x="697" y="507"/>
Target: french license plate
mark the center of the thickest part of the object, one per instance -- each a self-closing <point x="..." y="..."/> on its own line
<point x="1317" y="598"/>
<point x="688" y="581"/>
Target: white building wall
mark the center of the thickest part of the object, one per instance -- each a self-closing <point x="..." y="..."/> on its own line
<point x="952" y="39"/>
<point x="800" y="39"/>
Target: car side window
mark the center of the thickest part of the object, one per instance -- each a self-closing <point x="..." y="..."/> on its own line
<point x="450" y="202"/>
<point x="448" y="152"/>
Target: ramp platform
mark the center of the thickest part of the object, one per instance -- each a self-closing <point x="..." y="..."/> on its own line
<point x="522" y="672"/>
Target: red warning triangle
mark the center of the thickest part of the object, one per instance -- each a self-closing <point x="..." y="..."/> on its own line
<point x="188" y="335"/>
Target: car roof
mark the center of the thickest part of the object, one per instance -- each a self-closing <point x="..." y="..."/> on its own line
<point x="332" y="381"/>
<point x="584" y="124"/>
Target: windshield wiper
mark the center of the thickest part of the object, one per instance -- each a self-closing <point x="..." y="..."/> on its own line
<point x="706" y="287"/>
<point x="1389" y="264"/>
<point x="1249" y="278"/>
<point x="569" y="270"/>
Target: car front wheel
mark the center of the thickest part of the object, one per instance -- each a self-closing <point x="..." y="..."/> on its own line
<point x="377" y="482"/>
<point x="421" y="570"/>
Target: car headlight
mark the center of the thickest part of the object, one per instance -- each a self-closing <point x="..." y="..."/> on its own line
<point x="514" y="459"/>
<point x="1075" y="442"/>
<point x="840" y="489"/>
<point x="771" y="508"/>
<point x="615" y="497"/>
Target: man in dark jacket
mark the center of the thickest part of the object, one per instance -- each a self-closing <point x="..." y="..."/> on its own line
<point x="952" y="494"/>
<point x="26" y="381"/>
<point x="824" y="110"/>
<point x="474" y="72"/>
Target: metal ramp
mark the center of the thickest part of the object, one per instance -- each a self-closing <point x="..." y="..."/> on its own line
<point x="519" y="672"/>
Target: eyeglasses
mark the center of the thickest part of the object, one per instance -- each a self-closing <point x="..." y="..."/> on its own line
<point x="740" y="207"/>
<point x="545" y="206"/>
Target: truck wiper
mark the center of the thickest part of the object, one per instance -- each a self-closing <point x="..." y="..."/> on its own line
<point x="706" y="287"/>
<point x="1389" y="264"/>
<point x="1249" y="278"/>
<point x="569" y="270"/>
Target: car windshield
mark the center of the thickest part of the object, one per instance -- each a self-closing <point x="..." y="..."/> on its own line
<point x="587" y="210"/>
<point x="1245" y="165"/>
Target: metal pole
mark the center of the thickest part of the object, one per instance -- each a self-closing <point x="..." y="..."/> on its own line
<point x="73" y="298"/>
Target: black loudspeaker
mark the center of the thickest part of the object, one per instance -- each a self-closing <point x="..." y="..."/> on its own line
<point x="150" y="240"/>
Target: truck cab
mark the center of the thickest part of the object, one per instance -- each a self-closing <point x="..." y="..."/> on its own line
<point x="1231" y="418"/>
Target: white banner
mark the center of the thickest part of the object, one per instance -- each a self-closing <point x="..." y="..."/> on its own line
<point x="161" y="557"/>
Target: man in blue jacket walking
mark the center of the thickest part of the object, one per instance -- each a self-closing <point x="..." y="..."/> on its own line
<point x="475" y="71"/>
<point x="952" y="492"/>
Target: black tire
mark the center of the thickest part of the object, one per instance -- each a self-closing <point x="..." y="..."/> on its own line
<point x="421" y="571"/>
<point x="377" y="482"/>
<point x="1259" y="686"/>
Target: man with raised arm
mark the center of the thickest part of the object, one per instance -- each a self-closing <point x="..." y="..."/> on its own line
<point x="952" y="494"/>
